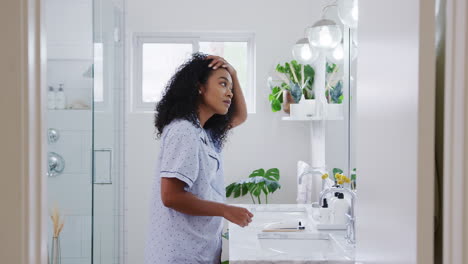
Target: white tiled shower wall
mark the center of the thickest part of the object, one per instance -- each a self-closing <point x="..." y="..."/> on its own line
<point x="71" y="191"/>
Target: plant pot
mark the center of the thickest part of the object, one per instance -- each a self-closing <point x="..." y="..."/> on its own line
<point x="56" y="254"/>
<point x="304" y="109"/>
<point x="335" y="111"/>
<point x="287" y="101"/>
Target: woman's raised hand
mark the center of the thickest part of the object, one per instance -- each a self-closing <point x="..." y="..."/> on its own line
<point x="238" y="215"/>
<point x="221" y="62"/>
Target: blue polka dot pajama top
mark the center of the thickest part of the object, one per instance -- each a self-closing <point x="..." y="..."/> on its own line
<point x="189" y="154"/>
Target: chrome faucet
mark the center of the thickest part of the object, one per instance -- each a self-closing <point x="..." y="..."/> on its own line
<point x="312" y="171"/>
<point x="350" y="230"/>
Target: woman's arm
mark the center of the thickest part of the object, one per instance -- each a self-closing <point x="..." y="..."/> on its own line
<point x="238" y="100"/>
<point x="174" y="196"/>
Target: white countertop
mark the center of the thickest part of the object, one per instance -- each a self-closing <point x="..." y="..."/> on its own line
<point x="245" y="246"/>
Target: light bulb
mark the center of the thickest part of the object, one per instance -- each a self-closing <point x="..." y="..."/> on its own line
<point x="325" y="38"/>
<point x="338" y="53"/>
<point x="324" y="34"/>
<point x="303" y="52"/>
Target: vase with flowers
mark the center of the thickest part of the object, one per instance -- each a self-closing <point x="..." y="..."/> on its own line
<point x="57" y="224"/>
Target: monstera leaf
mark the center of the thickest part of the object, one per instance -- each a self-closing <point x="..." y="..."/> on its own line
<point x="257" y="183"/>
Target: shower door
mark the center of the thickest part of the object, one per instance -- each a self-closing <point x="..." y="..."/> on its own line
<point x="85" y="128"/>
<point x="108" y="132"/>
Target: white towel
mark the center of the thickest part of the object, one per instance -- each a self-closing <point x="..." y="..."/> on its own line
<point x="305" y="183"/>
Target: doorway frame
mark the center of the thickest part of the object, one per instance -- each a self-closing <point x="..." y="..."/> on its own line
<point x="33" y="201"/>
<point x="455" y="134"/>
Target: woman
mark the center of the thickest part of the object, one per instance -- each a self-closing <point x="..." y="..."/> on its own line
<point x="193" y="118"/>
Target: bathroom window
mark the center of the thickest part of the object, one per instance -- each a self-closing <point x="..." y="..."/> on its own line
<point x="157" y="56"/>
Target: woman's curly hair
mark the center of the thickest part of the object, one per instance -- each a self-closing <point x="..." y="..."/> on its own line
<point x="180" y="99"/>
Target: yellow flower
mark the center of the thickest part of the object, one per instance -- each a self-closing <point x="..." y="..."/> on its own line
<point x="347" y="180"/>
<point x="324" y="176"/>
<point x="340" y="182"/>
<point x="337" y="176"/>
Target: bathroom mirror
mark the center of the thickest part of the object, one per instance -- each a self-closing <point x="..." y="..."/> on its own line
<point x="339" y="138"/>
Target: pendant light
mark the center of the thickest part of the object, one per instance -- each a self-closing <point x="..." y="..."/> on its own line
<point x="303" y="52"/>
<point x="325" y="33"/>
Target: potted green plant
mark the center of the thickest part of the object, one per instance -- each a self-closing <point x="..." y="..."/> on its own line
<point x="296" y="83"/>
<point x="257" y="183"/>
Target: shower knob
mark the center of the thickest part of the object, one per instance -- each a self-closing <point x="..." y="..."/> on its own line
<point x="56" y="164"/>
<point x="53" y="135"/>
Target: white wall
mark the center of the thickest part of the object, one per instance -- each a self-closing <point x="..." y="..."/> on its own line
<point x="263" y="141"/>
<point x="395" y="131"/>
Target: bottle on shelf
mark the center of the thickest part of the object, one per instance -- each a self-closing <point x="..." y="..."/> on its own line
<point x="51" y="98"/>
<point x="60" y="99"/>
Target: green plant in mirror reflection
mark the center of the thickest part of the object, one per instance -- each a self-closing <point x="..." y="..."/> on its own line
<point x="257" y="183"/>
<point x="353" y="179"/>
<point x="334" y="86"/>
<point x="297" y="78"/>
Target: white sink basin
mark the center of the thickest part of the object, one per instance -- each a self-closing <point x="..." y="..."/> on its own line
<point x="311" y="246"/>
<point x="263" y="217"/>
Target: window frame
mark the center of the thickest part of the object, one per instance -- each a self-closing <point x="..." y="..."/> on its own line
<point x="189" y="38"/>
<point x="104" y="105"/>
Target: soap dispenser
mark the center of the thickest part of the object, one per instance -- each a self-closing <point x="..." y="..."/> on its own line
<point x="333" y="199"/>
<point x="340" y="209"/>
<point x="60" y="99"/>
<point x="51" y="98"/>
<point x="325" y="213"/>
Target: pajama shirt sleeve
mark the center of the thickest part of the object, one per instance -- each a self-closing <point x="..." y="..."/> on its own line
<point x="180" y="154"/>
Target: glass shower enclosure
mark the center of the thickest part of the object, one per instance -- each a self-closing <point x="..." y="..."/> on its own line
<point x="85" y="121"/>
